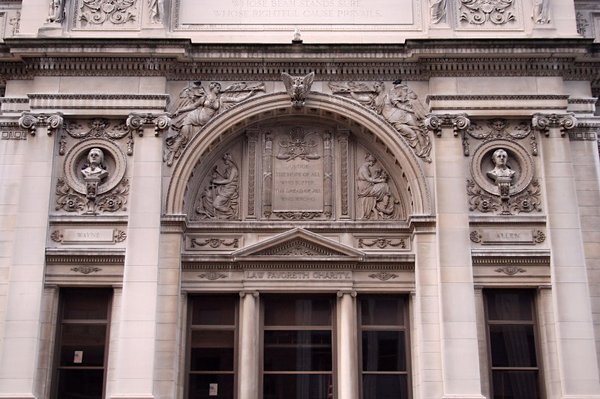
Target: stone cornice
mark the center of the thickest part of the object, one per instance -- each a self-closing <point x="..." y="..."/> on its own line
<point x="179" y="59"/>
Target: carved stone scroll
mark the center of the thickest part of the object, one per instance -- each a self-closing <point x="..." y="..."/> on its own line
<point x="32" y="121"/>
<point x="545" y="122"/>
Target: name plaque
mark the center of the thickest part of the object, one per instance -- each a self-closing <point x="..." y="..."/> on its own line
<point x="72" y="236"/>
<point x="296" y="12"/>
<point x="507" y="236"/>
<point x="294" y="275"/>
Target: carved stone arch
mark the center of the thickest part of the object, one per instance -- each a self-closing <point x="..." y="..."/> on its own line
<point x="224" y="127"/>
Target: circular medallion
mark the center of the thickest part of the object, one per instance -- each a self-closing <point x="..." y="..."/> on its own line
<point x="76" y="160"/>
<point x="518" y="166"/>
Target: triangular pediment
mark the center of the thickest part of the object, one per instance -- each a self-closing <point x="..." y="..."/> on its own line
<point x="299" y="243"/>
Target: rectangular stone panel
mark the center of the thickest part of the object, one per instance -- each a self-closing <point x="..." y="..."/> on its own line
<point x="296" y="12"/>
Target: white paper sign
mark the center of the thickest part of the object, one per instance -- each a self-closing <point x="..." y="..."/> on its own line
<point x="213" y="389"/>
<point x="78" y="357"/>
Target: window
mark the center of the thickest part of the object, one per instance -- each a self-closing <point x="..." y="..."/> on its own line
<point x="212" y="337"/>
<point x="512" y="344"/>
<point x="383" y="339"/>
<point x="82" y="337"/>
<point x="298" y="347"/>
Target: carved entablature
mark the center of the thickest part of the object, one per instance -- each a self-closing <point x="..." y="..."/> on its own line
<point x="92" y="154"/>
<point x="502" y="168"/>
<point x="298" y="169"/>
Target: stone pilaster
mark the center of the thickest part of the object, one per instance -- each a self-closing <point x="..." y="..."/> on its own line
<point x="576" y="346"/>
<point x="459" y="346"/>
<point x="25" y="186"/>
<point x="137" y="340"/>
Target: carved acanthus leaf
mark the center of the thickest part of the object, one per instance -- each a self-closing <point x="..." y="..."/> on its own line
<point x="544" y="122"/>
<point x="212" y="276"/>
<point x="298" y="247"/>
<point x="98" y="12"/>
<point x="510" y="270"/>
<point x="478" y="12"/>
<point x="86" y="269"/>
<point x="383" y="276"/>
<point x="32" y="121"/>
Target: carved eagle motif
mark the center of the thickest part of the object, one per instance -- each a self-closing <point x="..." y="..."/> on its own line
<point x="298" y="87"/>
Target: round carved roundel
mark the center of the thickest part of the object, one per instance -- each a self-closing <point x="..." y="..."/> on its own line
<point x="517" y="159"/>
<point x="77" y="159"/>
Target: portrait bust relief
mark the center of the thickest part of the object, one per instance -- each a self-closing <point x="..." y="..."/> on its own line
<point x="95" y="168"/>
<point x="501" y="170"/>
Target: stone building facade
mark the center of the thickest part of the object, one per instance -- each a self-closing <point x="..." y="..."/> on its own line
<point x="305" y="199"/>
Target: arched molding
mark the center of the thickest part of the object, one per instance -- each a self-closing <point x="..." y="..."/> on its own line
<point x="271" y="106"/>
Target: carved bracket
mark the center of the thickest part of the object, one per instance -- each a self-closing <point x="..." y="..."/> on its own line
<point x="136" y="122"/>
<point x="544" y="122"/>
<point x="459" y="123"/>
<point x="32" y="121"/>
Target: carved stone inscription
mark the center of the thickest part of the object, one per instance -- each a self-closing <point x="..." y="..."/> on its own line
<point x="298" y="275"/>
<point x="297" y="12"/>
<point x="298" y="172"/>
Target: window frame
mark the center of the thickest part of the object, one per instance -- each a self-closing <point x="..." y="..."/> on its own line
<point x="332" y="327"/>
<point x="61" y="322"/>
<point x="375" y="327"/>
<point x="190" y="327"/>
<point x="534" y="323"/>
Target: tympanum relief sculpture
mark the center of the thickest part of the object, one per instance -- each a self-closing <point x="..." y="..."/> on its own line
<point x="57" y="11"/>
<point x="219" y="199"/>
<point x="196" y="106"/>
<point x="375" y="198"/>
<point x="437" y="10"/>
<point x="541" y="11"/>
<point x="399" y="106"/>
<point x="503" y="172"/>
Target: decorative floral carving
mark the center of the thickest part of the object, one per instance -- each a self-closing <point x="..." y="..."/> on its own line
<point x="539" y="236"/>
<point x="382" y="243"/>
<point x="299" y="215"/>
<point x="475" y="236"/>
<point x="86" y="269"/>
<point x="119" y="235"/>
<point x="212" y="276"/>
<point x="528" y="201"/>
<point x="383" y="276"/>
<point x="71" y="201"/>
<point x="399" y="106"/>
<point x="96" y="128"/>
<point x="196" y="106"/>
<point x="478" y="12"/>
<point x="298" y="145"/>
<point x="298" y="87"/>
<point x="214" y="243"/>
<point x="219" y="199"/>
<point x="56" y="236"/>
<point x="118" y="12"/>
<point x="510" y="270"/>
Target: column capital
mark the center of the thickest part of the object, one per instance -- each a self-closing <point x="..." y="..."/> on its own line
<point x="341" y="293"/>
<point x="31" y="121"/>
<point x="459" y="122"/>
<point x="136" y="122"/>
<point x="255" y="294"/>
<point x="544" y="122"/>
